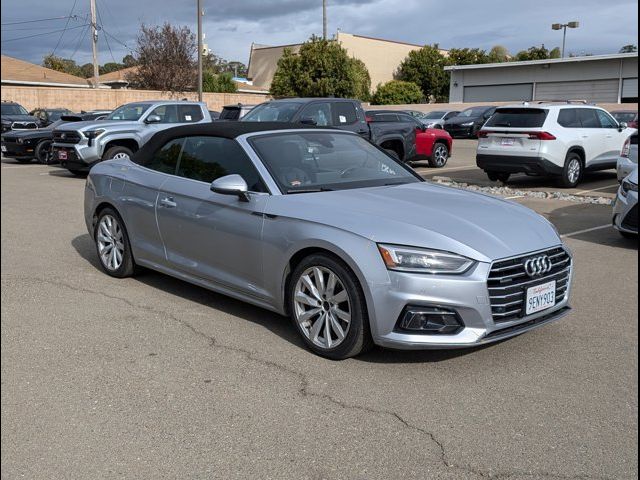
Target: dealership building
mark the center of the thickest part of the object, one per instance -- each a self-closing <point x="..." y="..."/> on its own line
<point x="597" y="78"/>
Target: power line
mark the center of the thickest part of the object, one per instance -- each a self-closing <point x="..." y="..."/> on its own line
<point x="82" y="36"/>
<point x="106" y="39"/>
<point x="118" y="41"/>
<point x="65" y="27"/>
<point x="41" y="34"/>
<point x="34" y="21"/>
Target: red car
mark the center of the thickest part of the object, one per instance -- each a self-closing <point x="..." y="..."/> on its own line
<point x="630" y="117"/>
<point x="432" y="144"/>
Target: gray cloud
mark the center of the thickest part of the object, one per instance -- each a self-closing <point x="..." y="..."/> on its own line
<point x="231" y="26"/>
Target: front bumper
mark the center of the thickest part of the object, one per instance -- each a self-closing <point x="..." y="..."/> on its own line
<point x="16" y="150"/>
<point x="625" y="167"/>
<point x="625" y="212"/>
<point x="467" y="295"/>
<point x="517" y="164"/>
<point x="78" y="157"/>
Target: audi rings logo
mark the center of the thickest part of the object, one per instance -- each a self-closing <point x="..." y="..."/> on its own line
<point x="538" y="266"/>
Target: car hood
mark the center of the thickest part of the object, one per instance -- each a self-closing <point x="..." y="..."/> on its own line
<point x="93" y="124"/>
<point x="19" y="118"/>
<point x="31" y="133"/>
<point x="461" y="120"/>
<point x="426" y="215"/>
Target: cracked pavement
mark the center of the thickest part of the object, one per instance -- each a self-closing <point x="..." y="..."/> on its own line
<point x="154" y="378"/>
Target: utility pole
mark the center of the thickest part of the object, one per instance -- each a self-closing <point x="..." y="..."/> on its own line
<point x="94" y="43"/>
<point x="200" y="48"/>
<point x="324" y="19"/>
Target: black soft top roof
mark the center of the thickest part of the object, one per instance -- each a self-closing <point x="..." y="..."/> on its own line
<point x="229" y="130"/>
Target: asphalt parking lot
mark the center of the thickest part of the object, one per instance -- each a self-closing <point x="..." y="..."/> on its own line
<point x="154" y="378"/>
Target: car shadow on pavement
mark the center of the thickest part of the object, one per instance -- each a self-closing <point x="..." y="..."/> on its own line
<point x="277" y="324"/>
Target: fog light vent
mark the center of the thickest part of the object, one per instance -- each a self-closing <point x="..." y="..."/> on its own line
<point x="430" y="320"/>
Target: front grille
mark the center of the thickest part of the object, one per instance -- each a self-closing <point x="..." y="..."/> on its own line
<point x="66" y="136"/>
<point x="9" y="139"/>
<point x="508" y="283"/>
<point x="631" y="220"/>
<point x="24" y="126"/>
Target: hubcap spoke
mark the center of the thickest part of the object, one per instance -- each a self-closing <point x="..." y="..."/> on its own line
<point x="340" y="297"/>
<point x="311" y="287"/>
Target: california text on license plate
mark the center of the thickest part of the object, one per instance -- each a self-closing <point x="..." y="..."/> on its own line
<point x="541" y="297"/>
<point x="62" y="155"/>
<point x="508" y="142"/>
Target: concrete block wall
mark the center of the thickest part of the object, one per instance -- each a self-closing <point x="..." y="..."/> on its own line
<point x="77" y="99"/>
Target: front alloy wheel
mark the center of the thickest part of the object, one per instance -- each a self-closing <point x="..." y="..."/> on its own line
<point x="322" y="307"/>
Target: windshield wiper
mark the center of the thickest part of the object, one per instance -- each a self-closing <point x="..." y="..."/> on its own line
<point x="309" y="190"/>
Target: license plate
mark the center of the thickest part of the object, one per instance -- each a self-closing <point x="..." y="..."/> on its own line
<point x="508" y="142"/>
<point x="4" y="149"/>
<point x="62" y="155"/>
<point x="541" y="297"/>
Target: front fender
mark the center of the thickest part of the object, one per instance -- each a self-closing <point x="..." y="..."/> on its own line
<point x="106" y="138"/>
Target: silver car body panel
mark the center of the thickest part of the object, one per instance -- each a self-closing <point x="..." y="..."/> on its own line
<point x="244" y="249"/>
<point x="624" y="204"/>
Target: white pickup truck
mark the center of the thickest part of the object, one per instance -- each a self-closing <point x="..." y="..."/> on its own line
<point x="81" y="145"/>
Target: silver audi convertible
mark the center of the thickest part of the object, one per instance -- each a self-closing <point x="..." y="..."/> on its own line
<point x="324" y="227"/>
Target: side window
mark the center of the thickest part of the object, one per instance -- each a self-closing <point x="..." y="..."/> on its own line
<point x="319" y="113"/>
<point x="450" y="115"/>
<point x="165" y="160"/>
<point x="208" y="158"/>
<point x="344" y="113"/>
<point x="568" y="118"/>
<point x="167" y="113"/>
<point x="589" y="118"/>
<point x="385" y="117"/>
<point x="410" y="119"/>
<point x="189" y="113"/>
<point x="606" y="120"/>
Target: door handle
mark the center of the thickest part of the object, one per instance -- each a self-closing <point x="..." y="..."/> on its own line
<point x="168" y="202"/>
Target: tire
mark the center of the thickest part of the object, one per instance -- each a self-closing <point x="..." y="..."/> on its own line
<point x="629" y="236"/>
<point x="79" y="173"/>
<point x="439" y="156"/>
<point x="43" y="152"/>
<point x="392" y="153"/>
<point x="24" y="160"/>
<point x="498" y="176"/>
<point x="116" y="152"/>
<point x="346" y="297"/>
<point x="572" y="171"/>
<point x="111" y="231"/>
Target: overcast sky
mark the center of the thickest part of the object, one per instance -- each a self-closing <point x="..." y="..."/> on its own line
<point x="231" y="26"/>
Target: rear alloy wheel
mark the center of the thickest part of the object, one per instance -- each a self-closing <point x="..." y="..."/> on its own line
<point x="112" y="244"/>
<point x="44" y="152"/>
<point x="328" y="308"/>
<point x="572" y="171"/>
<point x="439" y="156"/>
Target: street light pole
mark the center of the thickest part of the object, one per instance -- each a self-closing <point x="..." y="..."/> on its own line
<point x="324" y="19"/>
<point x="564" y="26"/>
<point x="200" y="47"/>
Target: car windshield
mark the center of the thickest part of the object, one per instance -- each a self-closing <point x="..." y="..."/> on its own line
<point x="56" y="114"/>
<point x="625" y="116"/>
<point x="272" y="112"/>
<point x="434" y="115"/>
<point x="131" y="111"/>
<point x="305" y="162"/>
<point x="13" y="109"/>
<point x="473" y="112"/>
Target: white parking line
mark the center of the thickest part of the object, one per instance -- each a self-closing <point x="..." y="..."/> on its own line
<point x="514" y="197"/>
<point x="573" y="234"/>
<point x="11" y="167"/>
<point x="597" y="189"/>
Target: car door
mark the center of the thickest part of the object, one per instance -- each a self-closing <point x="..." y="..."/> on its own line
<point x="593" y="137"/>
<point x="317" y="113"/>
<point x="209" y="235"/>
<point x="614" y="137"/>
<point x="168" y="115"/>
<point x="346" y="116"/>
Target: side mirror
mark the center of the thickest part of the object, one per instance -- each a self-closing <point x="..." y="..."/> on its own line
<point x="231" y="185"/>
<point x="623" y="126"/>
<point x="308" y="121"/>
<point x="153" y="119"/>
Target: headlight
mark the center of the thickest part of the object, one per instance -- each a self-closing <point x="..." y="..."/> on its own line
<point x="19" y="141"/>
<point x="468" y="124"/>
<point x="627" y="187"/>
<point x="419" y="260"/>
<point x="91" y="134"/>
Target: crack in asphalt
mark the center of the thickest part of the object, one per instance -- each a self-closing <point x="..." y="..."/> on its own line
<point x="304" y="389"/>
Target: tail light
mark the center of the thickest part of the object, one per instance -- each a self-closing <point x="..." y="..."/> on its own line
<point x="626" y="149"/>
<point x="368" y="119"/>
<point x="483" y="134"/>
<point x="532" y="135"/>
<point x="540" y="136"/>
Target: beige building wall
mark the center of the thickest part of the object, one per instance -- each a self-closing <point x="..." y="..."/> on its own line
<point x="382" y="57"/>
<point x="77" y="99"/>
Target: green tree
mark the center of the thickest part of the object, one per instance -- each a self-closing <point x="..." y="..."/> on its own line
<point x="555" y="53"/>
<point x="397" y="92"/>
<point x="363" y="80"/>
<point x="129" y="61"/>
<point x="629" y="49"/>
<point x="86" y="70"/>
<point x="425" y="67"/>
<point x="220" y="83"/>
<point x="499" y="54"/>
<point x="322" y="68"/>
<point x="60" y="64"/>
<point x="110" y="67"/>
<point x="534" y="53"/>
<point x="467" y="56"/>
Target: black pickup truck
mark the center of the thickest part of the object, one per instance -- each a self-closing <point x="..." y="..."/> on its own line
<point x="399" y="139"/>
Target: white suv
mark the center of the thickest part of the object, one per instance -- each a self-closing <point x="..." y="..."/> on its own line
<point x="562" y="140"/>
